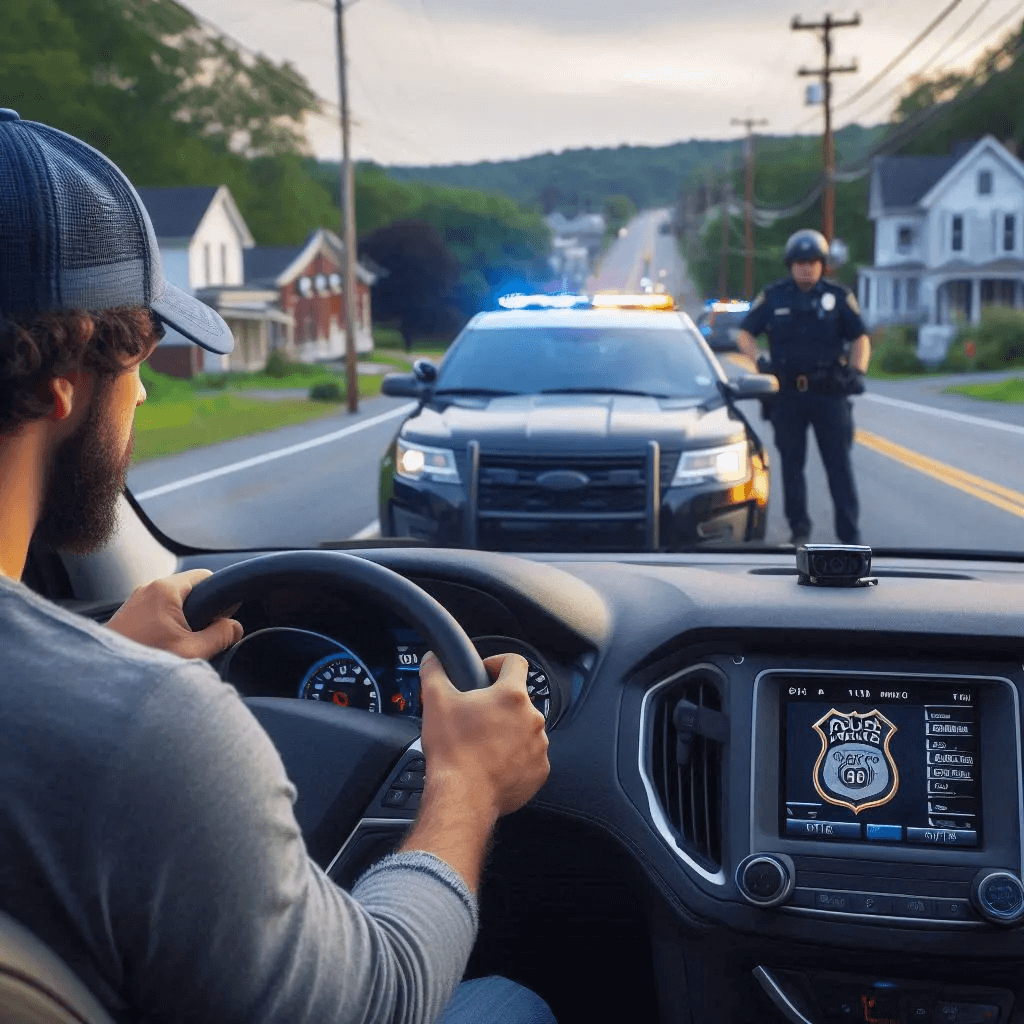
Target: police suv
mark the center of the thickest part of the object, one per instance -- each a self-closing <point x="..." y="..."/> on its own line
<point x="600" y="423"/>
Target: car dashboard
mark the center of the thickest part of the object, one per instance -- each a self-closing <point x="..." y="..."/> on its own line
<point x="811" y="796"/>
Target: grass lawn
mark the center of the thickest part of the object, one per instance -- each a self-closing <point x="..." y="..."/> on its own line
<point x="178" y="424"/>
<point x="1011" y="390"/>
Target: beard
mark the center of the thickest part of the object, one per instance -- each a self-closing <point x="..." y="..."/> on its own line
<point x="84" y="482"/>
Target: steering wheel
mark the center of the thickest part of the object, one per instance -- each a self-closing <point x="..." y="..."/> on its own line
<point x="342" y="761"/>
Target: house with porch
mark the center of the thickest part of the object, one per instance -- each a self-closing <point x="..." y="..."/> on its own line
<point x="306" y="283"/>
<point x="203" y="238"/>
<point x="949" y="240"/>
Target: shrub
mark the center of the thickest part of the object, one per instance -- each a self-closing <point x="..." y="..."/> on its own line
<point x="277" y="364"/>
<point x="998" y="342"/>
<point x="326" y="391"/>
<point x="895" y="351"/>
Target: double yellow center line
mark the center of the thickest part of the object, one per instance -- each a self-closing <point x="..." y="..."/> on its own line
<point x="995" y="494"/>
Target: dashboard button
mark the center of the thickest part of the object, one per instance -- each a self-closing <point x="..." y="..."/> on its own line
<point x="953" y="910"/>
<point x="823" y="829"/>
<point x="892" y="833"/>
<point x="839" y="902"/>
<point x="764" y="879"/>
<point x="943" y="836"/>
<point x="913" y="906"/>
<point x="999" y="895"/>
<point x="870" y="903"/>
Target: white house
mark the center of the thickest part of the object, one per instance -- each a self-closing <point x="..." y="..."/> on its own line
<point x="202" y="238"/>
<point x="949" y="240"/>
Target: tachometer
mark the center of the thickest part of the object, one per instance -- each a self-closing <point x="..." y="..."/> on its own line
<point x="342" y="679"/>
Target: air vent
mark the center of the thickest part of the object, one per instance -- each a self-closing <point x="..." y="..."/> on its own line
<point x="686" y="737"/>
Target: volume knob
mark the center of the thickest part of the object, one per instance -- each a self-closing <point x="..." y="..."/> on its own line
<point x="765" y="879"/>
<point x="999" y="896"/>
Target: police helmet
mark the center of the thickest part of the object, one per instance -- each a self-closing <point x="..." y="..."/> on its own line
<point x="805" y="246"/>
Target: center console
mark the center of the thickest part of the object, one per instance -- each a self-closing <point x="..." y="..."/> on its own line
<point x="894" y="797"/>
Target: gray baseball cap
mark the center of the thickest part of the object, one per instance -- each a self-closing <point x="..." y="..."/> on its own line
<point x="74" y="234"/>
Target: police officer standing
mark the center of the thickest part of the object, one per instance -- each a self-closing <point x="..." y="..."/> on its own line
<point x="819" y="351"/>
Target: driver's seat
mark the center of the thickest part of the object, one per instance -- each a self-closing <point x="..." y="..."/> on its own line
<point x="36" y="986"/>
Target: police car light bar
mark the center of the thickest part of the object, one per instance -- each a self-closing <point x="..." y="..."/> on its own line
<point x="520" y="301"/>
<point x="650" y="300"/>
<point x="727" y="305"/>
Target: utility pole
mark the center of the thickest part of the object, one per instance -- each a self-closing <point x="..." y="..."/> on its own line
<point x="750" y="124"/>
<point x="348" y="222"/>
<point x="726" y="202"/>
<point x="825" y="73"/>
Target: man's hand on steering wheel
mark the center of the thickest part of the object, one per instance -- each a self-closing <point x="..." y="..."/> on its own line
<point x="153" y="616"/>
<point x="493" y="739"/>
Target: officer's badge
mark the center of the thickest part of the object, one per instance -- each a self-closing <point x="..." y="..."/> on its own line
<point x="855" y="768"/>
<point x="828" y="302"/>
<point x="851" y="301"/>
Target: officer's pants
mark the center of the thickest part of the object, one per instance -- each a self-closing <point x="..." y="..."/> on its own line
<point x="831" y="416"/>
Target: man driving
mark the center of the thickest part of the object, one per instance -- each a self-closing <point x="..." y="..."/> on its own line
<point x="146" y="825"/>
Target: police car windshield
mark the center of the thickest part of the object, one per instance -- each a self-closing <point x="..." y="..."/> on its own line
<point x="529" y="360"/>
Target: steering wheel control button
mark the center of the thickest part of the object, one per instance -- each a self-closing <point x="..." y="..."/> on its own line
<point x="396" y="797"/>
<point x="410" y="780"/>
<point x="417" y="764"/>
<point x="764" y="880"/>
<point x="823" y="829"/>
<point x="999" y="897"/>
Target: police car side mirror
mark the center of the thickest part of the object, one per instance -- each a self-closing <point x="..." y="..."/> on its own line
<point x="753" y="385"/>
<point x="401" y="385"/>
<point x="424" y="371"/>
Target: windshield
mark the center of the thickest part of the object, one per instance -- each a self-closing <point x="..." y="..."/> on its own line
<point x="663" y="363"/>
<point x="619" y="153"/>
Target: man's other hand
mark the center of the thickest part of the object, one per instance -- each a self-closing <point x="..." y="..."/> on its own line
<point x="491" y="741"/>
<point x="153" y="616"/>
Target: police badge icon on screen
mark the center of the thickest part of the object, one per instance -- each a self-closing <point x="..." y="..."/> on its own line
<point x="855" y="768"/>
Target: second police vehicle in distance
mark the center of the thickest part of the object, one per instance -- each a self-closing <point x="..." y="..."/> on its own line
<point x="600" y="423"/>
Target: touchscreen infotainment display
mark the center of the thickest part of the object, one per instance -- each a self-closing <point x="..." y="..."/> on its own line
<point x="879" y="762"/>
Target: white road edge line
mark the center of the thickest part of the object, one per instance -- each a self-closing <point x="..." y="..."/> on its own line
<point x="947" y="414"/>
<point x="280" y="453"/>
<point x="368" y="531"/>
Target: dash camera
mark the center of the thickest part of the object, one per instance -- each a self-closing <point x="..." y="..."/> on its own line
<point x="834" y="565"/>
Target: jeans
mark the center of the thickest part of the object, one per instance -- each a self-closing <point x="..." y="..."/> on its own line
<point x="831" y="416"/>
<point x="495" y="1000"/>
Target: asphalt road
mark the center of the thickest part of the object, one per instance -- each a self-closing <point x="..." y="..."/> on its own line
<point x="933" y="471"/>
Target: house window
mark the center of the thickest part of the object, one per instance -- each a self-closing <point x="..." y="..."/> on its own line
<point x="206" y="263"/>
<point x="223" y="263"/>
<point x="896" y="295"/>
<point x="984" y="183"/>
<point x="956" y="242"/>
<point x="912" y="287"/>
<point x="904" y="238"/>
<point x="867" y="292"/>
<point x="1009" y="232"/>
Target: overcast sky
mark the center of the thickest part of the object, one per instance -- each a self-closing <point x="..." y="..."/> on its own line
<point x="455" y="81"/>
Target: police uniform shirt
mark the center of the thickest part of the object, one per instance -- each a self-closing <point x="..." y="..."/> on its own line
<point x="805" y="329"/>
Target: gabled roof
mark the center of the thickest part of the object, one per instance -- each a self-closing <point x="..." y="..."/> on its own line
<point x="265" y="263"/>
<point x="177" y="211"/>
<point x="278" y="265"/>
<point x="905" y="180"/>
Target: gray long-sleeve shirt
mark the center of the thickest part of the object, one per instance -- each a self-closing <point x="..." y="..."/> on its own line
<point x="147" y="835"/>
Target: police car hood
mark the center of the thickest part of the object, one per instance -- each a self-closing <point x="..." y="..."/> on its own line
<point x="572" y="421"/>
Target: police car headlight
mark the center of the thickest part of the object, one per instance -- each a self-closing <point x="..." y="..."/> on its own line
<point x="729" y="464"/>
<point x="420" y="462"/>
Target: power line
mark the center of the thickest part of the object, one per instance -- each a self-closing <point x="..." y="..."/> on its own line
<point x="905" y="52"/>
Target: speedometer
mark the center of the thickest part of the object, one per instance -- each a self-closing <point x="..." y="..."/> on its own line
<point x="342" y="679"/>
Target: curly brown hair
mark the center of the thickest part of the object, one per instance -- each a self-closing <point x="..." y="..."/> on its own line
<point x="34" y="351"/>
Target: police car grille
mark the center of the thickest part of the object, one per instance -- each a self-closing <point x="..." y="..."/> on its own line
<point x="690" y="794"/>
<point x="605" y="512"/>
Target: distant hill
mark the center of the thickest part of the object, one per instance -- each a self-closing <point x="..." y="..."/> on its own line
<point x="581" y="179"/>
